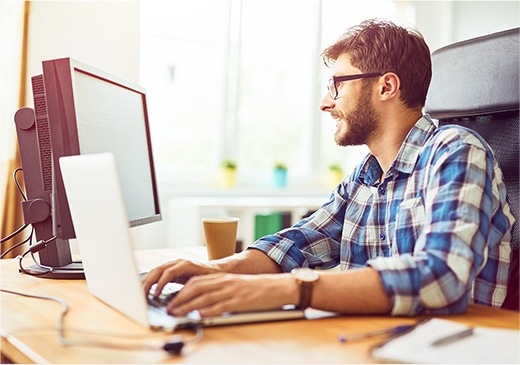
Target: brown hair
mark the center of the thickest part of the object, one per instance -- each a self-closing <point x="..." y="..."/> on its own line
<point x="378" y="45"/>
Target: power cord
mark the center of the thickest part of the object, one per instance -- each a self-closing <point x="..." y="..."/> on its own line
<point x="12" y="235"/>
<point x="34" y="249"/>
<point x="20" y="229"/>
<point x="40" y="245"/>
<point x="29" y="238"/>
<point x="17" y="183"/>
<point x="174" y="346"/>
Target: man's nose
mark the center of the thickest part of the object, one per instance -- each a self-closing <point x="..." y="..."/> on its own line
<point x="327" y="103"/>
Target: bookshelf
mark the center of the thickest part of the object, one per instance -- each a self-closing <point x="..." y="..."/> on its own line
<point x="183" y="214"/>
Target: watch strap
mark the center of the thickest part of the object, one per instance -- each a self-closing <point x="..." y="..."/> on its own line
<point x="305" y="294"/>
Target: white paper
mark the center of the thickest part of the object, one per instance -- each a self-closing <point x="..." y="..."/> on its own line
<point x="485" y="346"/>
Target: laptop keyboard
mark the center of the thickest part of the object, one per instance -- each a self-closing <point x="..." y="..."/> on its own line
<point x="169" y="291"/>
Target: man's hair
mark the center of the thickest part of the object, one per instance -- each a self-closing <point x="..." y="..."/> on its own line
<point x="378" y="45"/>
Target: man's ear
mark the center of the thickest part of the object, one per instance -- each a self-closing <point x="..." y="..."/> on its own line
<point x="389" y="85"/>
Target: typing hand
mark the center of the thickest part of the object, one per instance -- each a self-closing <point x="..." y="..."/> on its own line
<point x="165" y="296"/>
<point x="174" y="271"/>
<point x="215" y="294"/>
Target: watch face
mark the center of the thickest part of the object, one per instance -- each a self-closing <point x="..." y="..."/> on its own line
<point x="306" y="274"/>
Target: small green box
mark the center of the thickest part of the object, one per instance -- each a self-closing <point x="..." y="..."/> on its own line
<point x="267" y="223"/>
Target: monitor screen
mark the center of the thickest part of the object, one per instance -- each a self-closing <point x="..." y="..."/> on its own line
<point x="113" y="118"/>
<point x="80" y="110"/>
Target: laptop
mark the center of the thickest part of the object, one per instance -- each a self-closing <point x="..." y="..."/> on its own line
<point x="100" y="221"/>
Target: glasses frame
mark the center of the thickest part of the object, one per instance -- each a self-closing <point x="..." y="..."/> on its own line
<point x="334" y="80"/>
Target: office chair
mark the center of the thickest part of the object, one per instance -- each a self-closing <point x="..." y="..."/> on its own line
<point x="475" y="83"/>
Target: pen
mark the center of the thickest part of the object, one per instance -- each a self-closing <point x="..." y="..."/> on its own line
<point x="393" y="330"/>
<point x="453" y="338"/>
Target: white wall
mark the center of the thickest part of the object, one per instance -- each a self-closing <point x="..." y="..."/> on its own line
<point x="446" y="22"/>
<point x="472" y="21"/>
<point x="104" y="34"/>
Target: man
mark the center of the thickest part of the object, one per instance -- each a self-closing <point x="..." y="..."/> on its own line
<point x="422" y="225"/>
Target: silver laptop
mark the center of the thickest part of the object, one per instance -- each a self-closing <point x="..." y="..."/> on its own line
<point x="100" y="221"/>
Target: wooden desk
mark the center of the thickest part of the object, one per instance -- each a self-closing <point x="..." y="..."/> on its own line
<point x="28" y="328"/>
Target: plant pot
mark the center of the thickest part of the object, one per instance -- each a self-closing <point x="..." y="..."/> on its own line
<point x="334" y="178"/>
<point x="227" y="178"/>
<point x="280" y="178"/>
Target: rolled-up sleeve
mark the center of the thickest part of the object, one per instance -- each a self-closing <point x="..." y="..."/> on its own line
<point x="313" y="242"/>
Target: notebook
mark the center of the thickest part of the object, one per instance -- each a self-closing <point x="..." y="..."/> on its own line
<point x="100" y="221"/>
<point x="421" y="345"/>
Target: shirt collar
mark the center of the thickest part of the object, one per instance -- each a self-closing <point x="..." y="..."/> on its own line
<point x="407" y="156"/>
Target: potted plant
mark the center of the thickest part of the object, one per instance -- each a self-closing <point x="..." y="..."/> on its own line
<point x="280" y="175"/>
<point x="228" y="174"/>
<point x="335" y="175"/>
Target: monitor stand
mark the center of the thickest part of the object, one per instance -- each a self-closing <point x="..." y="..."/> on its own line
<point x="67" y="272"/>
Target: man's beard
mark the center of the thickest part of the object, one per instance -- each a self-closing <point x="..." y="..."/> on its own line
<point x="362" y="123"/>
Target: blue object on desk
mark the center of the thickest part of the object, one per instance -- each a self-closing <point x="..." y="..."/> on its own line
<point x="387" y="331"/>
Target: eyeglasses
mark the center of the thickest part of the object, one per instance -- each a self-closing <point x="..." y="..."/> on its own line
<point x="334" y="80"/>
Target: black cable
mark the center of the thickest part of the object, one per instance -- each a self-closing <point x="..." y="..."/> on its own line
<point x="17" y="245"/>
<point x="17" y="183"/>
<point x="32" y="250"/>
<point x="40" y="245"/>
<point x="7" y="238"/>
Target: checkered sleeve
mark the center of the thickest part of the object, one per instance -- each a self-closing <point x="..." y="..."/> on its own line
<point x="313" y="242"/>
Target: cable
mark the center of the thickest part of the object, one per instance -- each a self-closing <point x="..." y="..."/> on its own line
<point x="32" y="250"/>
<point x="40" y="245"/>
<point x="10" y="236"/>
<point x="17" y="183"/>
<point x="7" y="238"/>
<point x="173" y="347"/>
<point x="48" y="269"/>
<point x="65" y="307"/>
<point x="17" y="245"/>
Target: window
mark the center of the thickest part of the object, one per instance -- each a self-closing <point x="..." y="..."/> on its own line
<point x="243" y="79"/>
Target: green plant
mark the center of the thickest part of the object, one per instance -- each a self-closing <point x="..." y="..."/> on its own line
<point x="335" y="167"/>
<point x="229" y="164"/>
<point x="280" y="166"/>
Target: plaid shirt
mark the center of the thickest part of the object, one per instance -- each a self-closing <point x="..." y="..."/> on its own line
<point x="437" y="229"/>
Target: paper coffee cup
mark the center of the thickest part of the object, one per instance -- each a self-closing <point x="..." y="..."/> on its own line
<point x="220" y="235"/>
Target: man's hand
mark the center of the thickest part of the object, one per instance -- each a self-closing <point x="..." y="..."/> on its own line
<point x="246" y="262"/>
<point x="219" y="293"/>
<point x="175" y="271"/>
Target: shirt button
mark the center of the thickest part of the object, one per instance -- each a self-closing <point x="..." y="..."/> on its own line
<point x="382" y="236"/>
<point x="382" y="190"/>
<point x="453" y="215"/>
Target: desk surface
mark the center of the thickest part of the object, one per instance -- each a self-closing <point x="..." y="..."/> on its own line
<point x="29" y="327"/>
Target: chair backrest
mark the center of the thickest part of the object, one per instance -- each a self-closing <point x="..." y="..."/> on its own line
<point x="475" y="83"/>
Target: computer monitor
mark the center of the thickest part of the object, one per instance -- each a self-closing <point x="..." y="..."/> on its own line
<point x="79" y="109"/>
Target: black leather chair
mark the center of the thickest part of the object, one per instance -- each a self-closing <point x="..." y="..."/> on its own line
<point x="475" y="83"/>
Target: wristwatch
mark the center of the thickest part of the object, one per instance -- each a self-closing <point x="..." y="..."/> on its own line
<point x="306" y="279"/>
